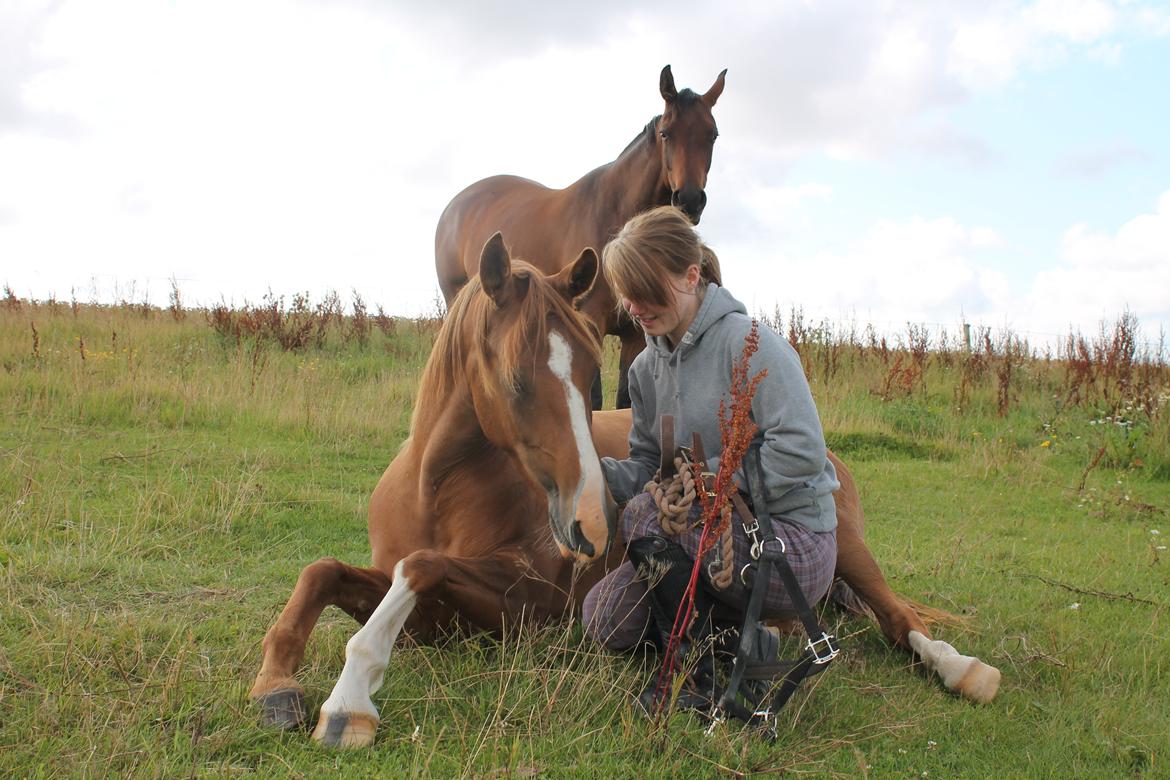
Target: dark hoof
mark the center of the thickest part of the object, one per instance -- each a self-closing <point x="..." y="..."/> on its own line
<point x="283" y="708"/>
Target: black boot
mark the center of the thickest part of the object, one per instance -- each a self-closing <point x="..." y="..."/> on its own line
<point x="667" y="568"/>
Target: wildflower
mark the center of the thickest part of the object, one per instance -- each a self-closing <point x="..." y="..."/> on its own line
<point x="1046" y="443"/>
<point x="1155" y="532"/>
<point x="1075" y="605"/>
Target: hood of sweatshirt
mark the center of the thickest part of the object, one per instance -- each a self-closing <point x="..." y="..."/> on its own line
<point x="717" y="304"/>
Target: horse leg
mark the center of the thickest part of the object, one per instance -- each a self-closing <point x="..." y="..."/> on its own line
<point x="596" y="392"/>
<point x="481" y="590"/>
<point x="631" y="346"/>
<point x="899" y="621"/>
<point x="857" y="567"/>
<point x="321" y="583"/>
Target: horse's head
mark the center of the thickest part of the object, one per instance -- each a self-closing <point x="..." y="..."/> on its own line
<point x="687" y="133"/>
<point x="539" y="357"/>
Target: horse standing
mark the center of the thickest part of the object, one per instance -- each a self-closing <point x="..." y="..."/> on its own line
<point x="497" y="497"/>
<point x="666" y="163"/>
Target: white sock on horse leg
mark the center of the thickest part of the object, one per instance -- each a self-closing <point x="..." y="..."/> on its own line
<point x="367" y="653"/>
<point x="963" y="674"/>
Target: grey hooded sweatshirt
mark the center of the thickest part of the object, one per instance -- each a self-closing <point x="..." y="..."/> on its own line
<point x="690" y="381"/>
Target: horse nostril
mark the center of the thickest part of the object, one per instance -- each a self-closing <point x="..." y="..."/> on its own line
<point x="579" y="543"/>
<point x="691" y="201"/>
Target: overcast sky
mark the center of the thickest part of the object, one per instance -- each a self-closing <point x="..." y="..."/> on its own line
<point x="1000" y="162"/>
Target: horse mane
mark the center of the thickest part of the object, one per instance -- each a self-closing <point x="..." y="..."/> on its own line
<point x="685" y="98"/>
<point x="465" y="332"/>
<point x="647" y="132"/>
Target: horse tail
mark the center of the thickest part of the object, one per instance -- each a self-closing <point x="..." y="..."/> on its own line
<point x="847" y="599"/>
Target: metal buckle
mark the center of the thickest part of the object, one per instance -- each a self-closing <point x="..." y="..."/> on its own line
<point x="765" y="542"/>
<point x="743" y="575"/>
<point x="716" y="717"/>
<point x="829" y="642"/>
<point x="708" y="478"/>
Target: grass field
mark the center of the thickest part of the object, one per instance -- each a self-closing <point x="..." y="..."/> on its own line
<point x="165" y="475"/>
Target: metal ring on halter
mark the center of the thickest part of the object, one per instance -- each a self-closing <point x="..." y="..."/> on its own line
<point x="743" y="574"/>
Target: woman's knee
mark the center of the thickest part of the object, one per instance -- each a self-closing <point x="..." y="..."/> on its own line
<point x="614" y="613"/>
<point x="639" y="518"/>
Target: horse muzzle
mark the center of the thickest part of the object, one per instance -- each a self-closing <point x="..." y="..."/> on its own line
<point x="691" y="201"/>
<point x="583" y="532"/>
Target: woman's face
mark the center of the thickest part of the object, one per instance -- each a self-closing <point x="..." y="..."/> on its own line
<point x="673" y="319"/>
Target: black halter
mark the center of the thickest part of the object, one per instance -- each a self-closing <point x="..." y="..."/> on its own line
<point x="752" y="664"/>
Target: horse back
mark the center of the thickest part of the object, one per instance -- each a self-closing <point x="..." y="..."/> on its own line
<point x="543" y="226"/>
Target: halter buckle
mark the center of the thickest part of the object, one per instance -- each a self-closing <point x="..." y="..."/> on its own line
<point x="708" y="480"/>
<point x="716" y="717"/>
<point x="829" y="643"/>
<point x="765" y="542"/>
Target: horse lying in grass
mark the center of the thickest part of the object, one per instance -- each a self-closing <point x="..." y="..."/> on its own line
<point x="496" y="503"/>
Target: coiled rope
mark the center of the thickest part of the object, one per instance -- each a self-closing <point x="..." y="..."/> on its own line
<point x="674" y="499"/>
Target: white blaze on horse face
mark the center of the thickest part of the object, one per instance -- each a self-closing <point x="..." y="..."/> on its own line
<point x="591" y="504"/>
<point x="368" y="653"/>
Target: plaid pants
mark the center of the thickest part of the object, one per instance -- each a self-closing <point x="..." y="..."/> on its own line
<point x="616" y="613"/>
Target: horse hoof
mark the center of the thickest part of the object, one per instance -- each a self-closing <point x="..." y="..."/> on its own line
<point x="980" y="683"/>
<point x="346" y="730"/>
<point x="283" y="708"/>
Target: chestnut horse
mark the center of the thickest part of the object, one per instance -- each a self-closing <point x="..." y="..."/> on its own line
<point x="666" y="163"/>
<point x="497" y="498"/>
<point x="490" y="504"/>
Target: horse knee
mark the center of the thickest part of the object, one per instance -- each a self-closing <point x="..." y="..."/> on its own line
<point x="321" y="576"/>
<point x="425" y="570"/>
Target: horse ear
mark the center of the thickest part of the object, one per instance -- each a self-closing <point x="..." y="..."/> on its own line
<point x="716" y="90"/>
<point x="576" y="279"/>
<point x="495" y="269"/>
<point x="666" y="85"/>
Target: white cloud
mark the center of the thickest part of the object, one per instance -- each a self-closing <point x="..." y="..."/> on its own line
<point x="1096" y="161"/>
<point x="918" y="270"/>
<point x="1102" y="274"/>
<point x="312" y="145"/>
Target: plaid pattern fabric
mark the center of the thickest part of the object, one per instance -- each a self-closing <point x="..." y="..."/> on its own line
<point x="616" y="613"/>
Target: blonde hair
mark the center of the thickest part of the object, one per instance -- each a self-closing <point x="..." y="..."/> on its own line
<point x="652" y="247"/>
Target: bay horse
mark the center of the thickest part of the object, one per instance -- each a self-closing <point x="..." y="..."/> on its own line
<point x="496" y="504"/>
<point x="667" y="162"/>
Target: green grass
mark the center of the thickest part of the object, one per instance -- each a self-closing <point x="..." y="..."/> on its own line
<point x="159" y="497"/>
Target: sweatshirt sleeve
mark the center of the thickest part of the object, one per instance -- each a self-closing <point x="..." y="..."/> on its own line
<point x="628" y="477"/>
<point x="793" y="451"/>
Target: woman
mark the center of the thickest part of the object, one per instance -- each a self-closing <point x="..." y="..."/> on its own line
<point x="668" y="282"/>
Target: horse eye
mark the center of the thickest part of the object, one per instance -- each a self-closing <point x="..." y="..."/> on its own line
<point x="665" y="135"/>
